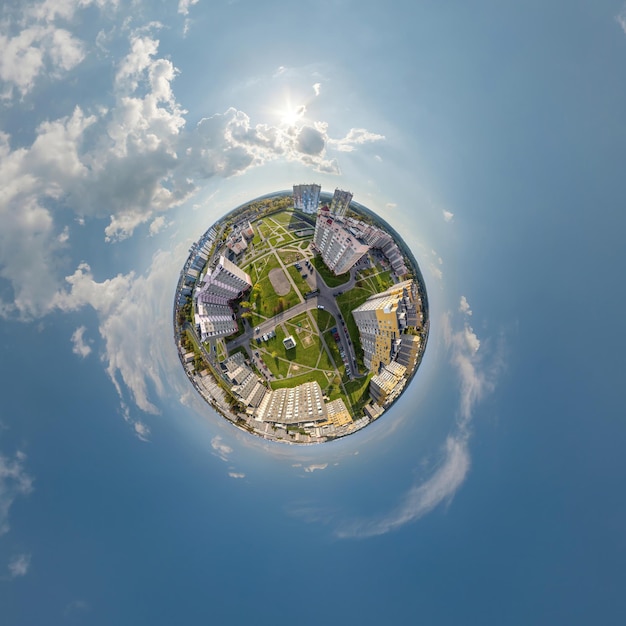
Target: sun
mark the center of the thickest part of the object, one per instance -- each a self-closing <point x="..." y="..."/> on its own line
<point x="291" y="115"/>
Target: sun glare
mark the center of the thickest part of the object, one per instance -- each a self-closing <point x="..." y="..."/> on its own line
<point x="290" y="115"/>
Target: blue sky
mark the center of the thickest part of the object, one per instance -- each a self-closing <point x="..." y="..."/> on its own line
<point x="490" y="135"/>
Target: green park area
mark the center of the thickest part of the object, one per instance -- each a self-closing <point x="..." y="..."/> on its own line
<point x="308" y="360"/>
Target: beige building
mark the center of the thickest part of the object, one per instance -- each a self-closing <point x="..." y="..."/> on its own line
<point x="338" y="414"/>
<point x="387" y="386"/>
<point x="382" y="318"/>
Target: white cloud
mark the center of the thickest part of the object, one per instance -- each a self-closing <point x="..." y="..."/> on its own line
<point x="14" y="482"/>
<point x="222" y="450"/>
<point x="141" y="430"/>
<point x="131" y="312"/>
<point x="317" y="87"/>
<point x="448" y="216"/>
<point x="464" y="306"/>
<point x="422" y="498"/>
<point x="621" y="18"/>
<point x="315" y="466"/>
<point x="183" y="6"/>
<point x="34" y="50"/>
<point x="79" y="346"/>
<point x="236" y="475"/>
<point x="19" y="565"/>
<point x="355" y="137"/>
<point x="157" y="225"/>
<point x="34" y="45"/>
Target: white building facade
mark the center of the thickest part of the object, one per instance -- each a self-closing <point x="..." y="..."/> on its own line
<point x="339" y="248"/>
<point x="213" y="294"/>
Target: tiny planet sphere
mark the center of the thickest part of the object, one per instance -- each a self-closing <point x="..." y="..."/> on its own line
<point x="301" y="317"/>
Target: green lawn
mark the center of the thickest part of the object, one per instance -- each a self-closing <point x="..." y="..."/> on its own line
<point x="324" y="362"/>
<point x="301" y="284"/>
<point x="358" y="393"/>
<point x="308" y="346"/>
<point x="347" y="302"/>
<point x="289" y="256"/>
<point x="323" y="318"/>
<point x="266" y="302"/>
<point x="261" y="267"/>
<point x="284" y="217"/>
<point x="334" y="350"/>
<point x="329" y="278"/>
<point x="293" y="381"/>
<point x="379" y="282"/>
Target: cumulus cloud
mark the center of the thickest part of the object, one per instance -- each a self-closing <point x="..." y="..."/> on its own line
<point x="227" y="144"/>
<point x="131" y="312"/>
<point x="79" y="346"/>
<point x="354" y="138"/>
<point x="448" y="216"/>
<point x="464" y="306"/>
<point x="317" y="87"/>
<point x="310" y="141"/>
<point x="183" y="6"/>
<point x="19" y="565"/>
<point x="14" y="482"/>
<point x="34" y="50"/>
<point x="222" y="450"/>
<point x="157" y="225"/>
<point x="34" y="45"/>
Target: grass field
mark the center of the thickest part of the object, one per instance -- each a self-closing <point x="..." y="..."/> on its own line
<point x="358" y="393"/>
<point x="323" y="318"/>
<point x="266" y="302"/>
<point x="301" y="284"/>
<point x="377" y="282"/>
<point x="334" y="351"/>
<point x="292" y="381"/>
<point x="347" y="302"/>
<point x="290" y="256"/>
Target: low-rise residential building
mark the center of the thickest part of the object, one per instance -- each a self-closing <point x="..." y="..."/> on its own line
<point x="338" y="414"/>
<point x="295" y="405"/>
<point x="245" y="384"/>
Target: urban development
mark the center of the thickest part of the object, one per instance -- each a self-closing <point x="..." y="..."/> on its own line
<point x="301" y="317"/>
